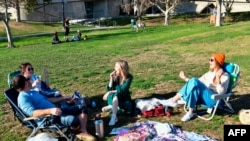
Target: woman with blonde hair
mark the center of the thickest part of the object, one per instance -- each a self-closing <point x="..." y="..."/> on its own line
<point x="118" y="94"/>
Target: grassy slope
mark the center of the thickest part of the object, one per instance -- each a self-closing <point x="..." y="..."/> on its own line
<point x="155" y="57"/>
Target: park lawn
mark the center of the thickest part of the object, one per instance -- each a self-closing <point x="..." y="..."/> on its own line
<point x="156" y="56"/>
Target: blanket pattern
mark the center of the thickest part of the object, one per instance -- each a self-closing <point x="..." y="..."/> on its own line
<point x="156" y="131"/>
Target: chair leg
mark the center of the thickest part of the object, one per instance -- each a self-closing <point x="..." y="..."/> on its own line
<point x="230" y="108"/>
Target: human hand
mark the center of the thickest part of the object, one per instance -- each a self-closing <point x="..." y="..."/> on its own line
<point x="182" y="75"/>
<point x="69" y="99"/>
<point x="219" y="73"/>
<point x="113" y="75"/>
<point x="36" y="82"/>
<point x="56" y="111"/>
<point x="46" y="73"/>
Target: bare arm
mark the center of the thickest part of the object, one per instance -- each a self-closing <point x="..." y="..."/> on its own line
<point x="45" y="112"/>
<point x="46" y="75"/>
<point x="59" y="99"/>
<point x="182" y="76"/>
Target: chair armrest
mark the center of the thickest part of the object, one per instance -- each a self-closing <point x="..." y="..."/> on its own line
<point x="33" y="118"/>
<point x="220" y="96"/>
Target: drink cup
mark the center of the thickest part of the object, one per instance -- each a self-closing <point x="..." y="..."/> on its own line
<point x="99" y="128"/>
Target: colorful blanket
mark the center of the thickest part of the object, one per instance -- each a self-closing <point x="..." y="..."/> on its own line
<point x="156" y="131"/>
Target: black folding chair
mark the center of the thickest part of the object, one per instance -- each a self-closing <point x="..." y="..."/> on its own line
<point x="47" y="123"/>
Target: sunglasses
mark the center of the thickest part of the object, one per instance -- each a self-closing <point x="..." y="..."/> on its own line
<point x="211" y="60"/>
<point x="29" y="69"/>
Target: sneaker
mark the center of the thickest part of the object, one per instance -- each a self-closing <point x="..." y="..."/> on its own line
<point x="187" y="116"/>
<point x="106" y="108"/>
<point x="85" y="137"/>
<point x="113" y="120"/>
<point x="170" y="103"/>
<point x="181" y="102"/>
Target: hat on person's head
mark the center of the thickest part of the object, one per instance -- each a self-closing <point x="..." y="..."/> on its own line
<point x="220" y="58"/>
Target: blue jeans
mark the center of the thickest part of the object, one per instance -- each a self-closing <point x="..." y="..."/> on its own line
<point x="70" y="114"/>
<point x="194" y="92"/>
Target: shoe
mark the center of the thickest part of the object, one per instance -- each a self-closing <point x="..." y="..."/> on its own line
<point x="106" y="108"/>
<point x="170" y="103"/>
<point x="181" y="102"/>
<point x="85" y="137"/>
<point x="113" y="120"/>
<point x="187" y="116"/>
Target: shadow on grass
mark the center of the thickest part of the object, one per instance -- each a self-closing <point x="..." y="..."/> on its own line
<point x="123" y="120"/>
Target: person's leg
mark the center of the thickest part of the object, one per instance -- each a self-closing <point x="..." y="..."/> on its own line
<point x="193" y="92"/>
<point x="107" y="97"/>
<point x="113" y="119"/>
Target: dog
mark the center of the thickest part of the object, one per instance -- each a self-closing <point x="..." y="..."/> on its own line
<point x="244" y="116"/>
<point x="141" y="25"/>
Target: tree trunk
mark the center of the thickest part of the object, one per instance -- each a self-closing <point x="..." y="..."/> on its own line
<point x="166" y="23"/>
<point x="18" y="19"/>
<point x="218" y="15"/>
<point x="6" y="24"/>
<point x="9" y="37"/>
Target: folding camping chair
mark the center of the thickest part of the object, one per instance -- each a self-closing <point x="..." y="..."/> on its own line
<point x="11" y="75"/>
<point x="47" y="123"/>
<point x="44" y="86"/>
<point x="222" y="100"/>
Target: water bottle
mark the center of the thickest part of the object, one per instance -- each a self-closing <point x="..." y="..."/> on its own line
<point x="99" y="130"/>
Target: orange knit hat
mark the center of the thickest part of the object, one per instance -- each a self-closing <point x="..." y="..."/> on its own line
<point x="220" y="58"/>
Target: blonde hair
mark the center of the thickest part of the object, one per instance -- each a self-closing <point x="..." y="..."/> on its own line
<point x="125" y="69"/>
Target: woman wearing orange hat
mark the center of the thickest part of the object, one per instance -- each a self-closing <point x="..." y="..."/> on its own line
<point x="199" y="90"/>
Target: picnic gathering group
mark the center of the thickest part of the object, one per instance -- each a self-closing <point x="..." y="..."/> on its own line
<point x="37" y="101"/>
<point x="77" y="37"/>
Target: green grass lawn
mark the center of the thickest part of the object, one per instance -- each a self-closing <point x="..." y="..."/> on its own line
<point x="156" y="56"/>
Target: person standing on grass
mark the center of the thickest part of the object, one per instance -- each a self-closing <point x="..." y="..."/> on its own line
<point x="67" y="28"/>
<point x="199" y="91"/>
<point x="35" y="105"/>
<point x="118" y="93"/>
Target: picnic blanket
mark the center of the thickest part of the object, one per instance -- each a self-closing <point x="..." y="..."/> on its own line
<point x="156" y="131"/>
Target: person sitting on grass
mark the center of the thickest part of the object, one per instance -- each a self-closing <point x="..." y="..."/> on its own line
<point x="35" y="105"/>
<point x="77" y="37"/>
<point x="118" y="93"/>
<point x="56" y="39"/>
<point x="199" y="91"/>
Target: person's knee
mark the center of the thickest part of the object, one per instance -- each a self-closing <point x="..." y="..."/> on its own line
<point x="70" y="121"/>
<point x="193" y="81"/>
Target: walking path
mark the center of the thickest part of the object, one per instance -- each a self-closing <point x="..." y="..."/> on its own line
<point x="50" y="33"/>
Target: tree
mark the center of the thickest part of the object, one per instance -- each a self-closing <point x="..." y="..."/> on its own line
<point x="218" y="15"/>
<point x="28" y="6"/>
<point x="228" y="5"/>
<point x="139" y="7"/>
<point x="169" y="6"/>
<point x="4" y="17"/>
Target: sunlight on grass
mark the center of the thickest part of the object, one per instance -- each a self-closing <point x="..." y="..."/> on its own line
<point x="155" y="57"/>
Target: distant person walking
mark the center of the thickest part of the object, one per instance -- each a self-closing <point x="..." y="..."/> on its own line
<point x="213" y="15"/>
<point x="66" y="27"/>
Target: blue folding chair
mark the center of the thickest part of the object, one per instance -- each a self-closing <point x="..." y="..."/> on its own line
<point x="47" y="123"/>
<point x="222" y="100"/>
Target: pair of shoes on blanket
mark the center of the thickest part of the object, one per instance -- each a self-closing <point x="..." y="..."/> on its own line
<point x="113" y="120"/>
<point x="188" y="116"/>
